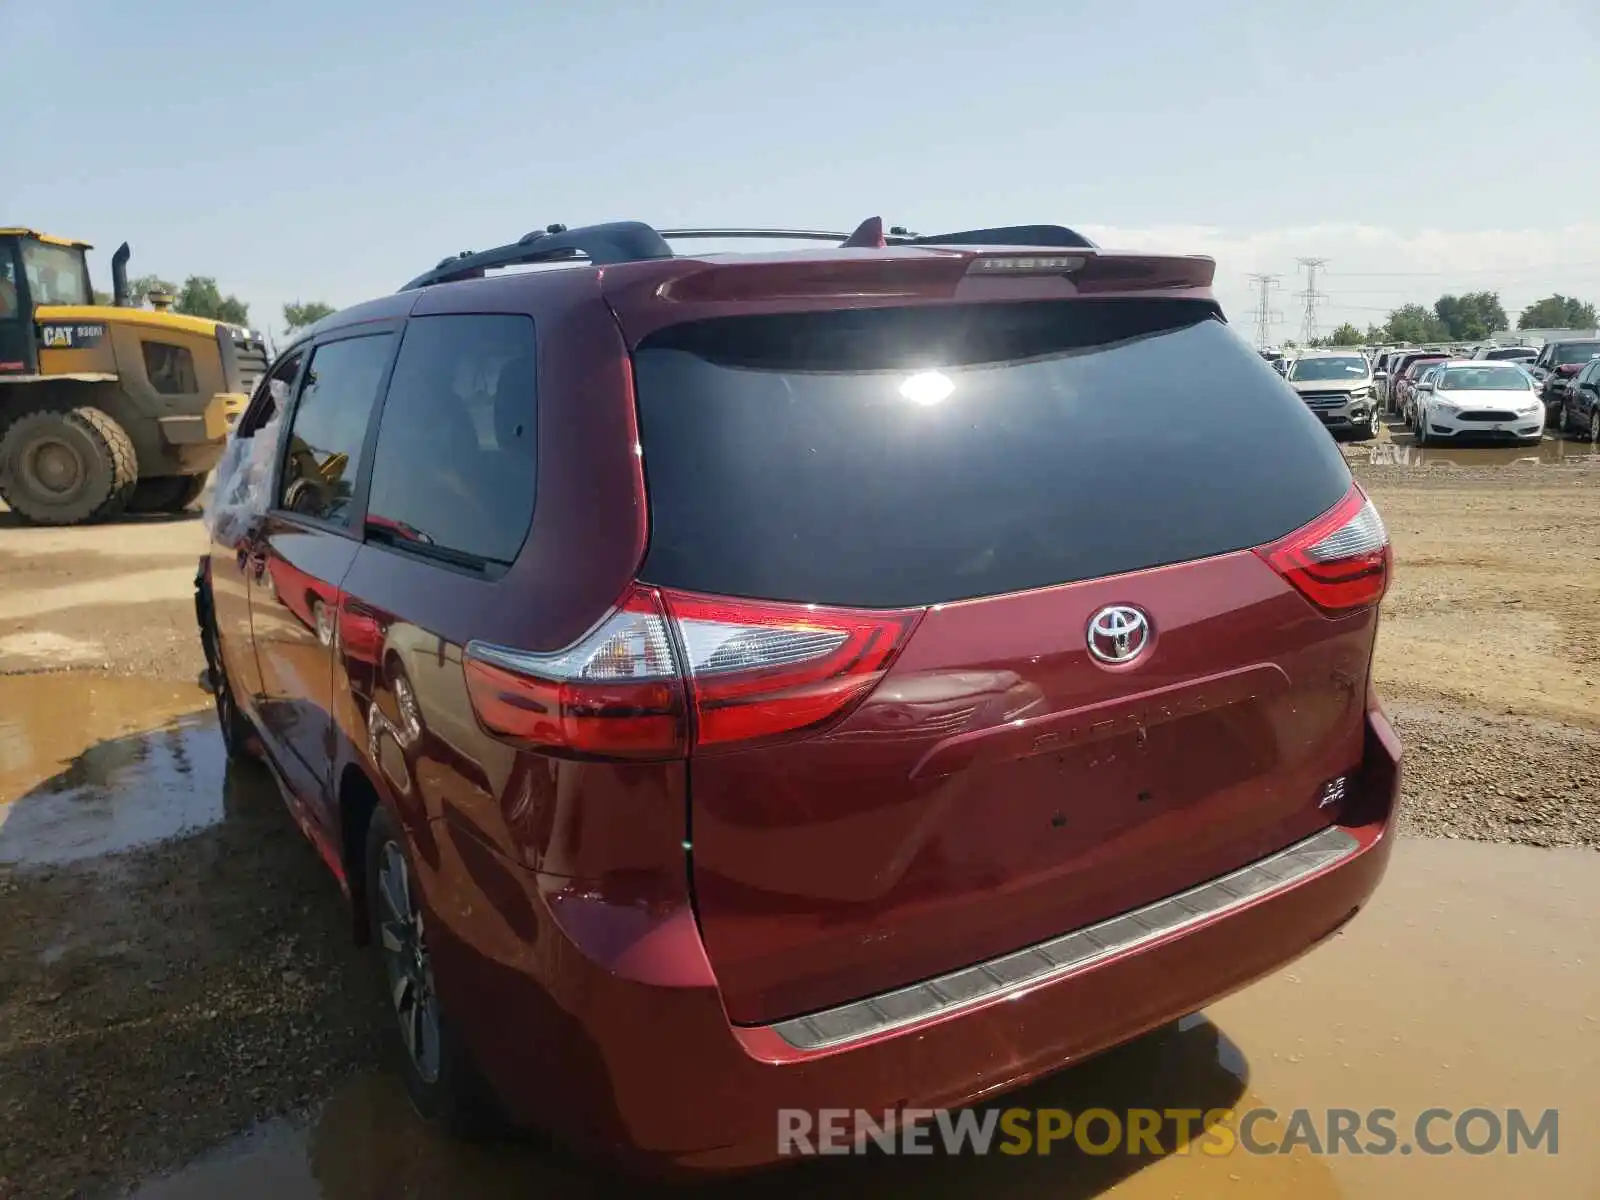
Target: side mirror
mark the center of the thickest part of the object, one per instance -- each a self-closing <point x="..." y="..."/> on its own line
<point x="1424" y="387"/>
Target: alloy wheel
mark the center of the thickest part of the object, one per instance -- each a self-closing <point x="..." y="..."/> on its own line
<point x="405" y="958"/>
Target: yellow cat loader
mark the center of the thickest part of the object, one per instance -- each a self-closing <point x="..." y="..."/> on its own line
<point x="106" y="409"/>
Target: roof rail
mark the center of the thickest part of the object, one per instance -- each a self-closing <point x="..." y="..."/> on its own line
<point x="612" y="242"/>
<point x="872" y="228"/>
<point x="634" y="241"/>
<point x="796" y="235"/>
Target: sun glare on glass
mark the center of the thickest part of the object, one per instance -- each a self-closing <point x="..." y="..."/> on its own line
<point x="927" y="387"/>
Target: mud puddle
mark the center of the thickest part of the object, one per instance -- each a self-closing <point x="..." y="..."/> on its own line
<point x="61" y="802"/>
<point x="1403" y="452"/>
<point x="1471" y="982"/>
<point x="175" y="962"/>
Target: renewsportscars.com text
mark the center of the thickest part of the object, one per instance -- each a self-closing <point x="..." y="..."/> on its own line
<point x="1216" y="1132"/>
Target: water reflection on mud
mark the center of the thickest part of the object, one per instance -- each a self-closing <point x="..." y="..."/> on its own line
<point x="119" y="793"/>
<point x="1403" y="452"/>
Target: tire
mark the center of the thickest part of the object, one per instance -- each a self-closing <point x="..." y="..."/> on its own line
<point x="167" y="494"/>
<point x="1419" y="431"/>
<point x="1370" y="431"/>
<point x="237" y="735"/>
<point x="83" y="450"/>
<point x="443" y="1084"/>
<point x="1594" y="424"/>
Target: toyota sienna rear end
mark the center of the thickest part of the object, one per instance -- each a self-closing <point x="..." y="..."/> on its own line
<point x="902" y="693"/>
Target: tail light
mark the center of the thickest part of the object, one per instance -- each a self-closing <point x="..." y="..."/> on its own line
<point x="1340" y="561"/>
<point x="614" y="693"/>
<point x="748" y="671"/>
<point x="758" y="670"/>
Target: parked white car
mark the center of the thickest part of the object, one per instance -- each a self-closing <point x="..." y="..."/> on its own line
<point x="1478" y="398"/>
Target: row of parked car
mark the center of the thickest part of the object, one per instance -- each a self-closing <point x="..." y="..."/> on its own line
<point x="1510" y="393"/>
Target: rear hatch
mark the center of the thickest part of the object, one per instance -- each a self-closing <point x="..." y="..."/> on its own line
<point x="964" y="497"/>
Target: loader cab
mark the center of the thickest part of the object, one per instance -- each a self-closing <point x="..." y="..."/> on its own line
<point x="18" y="355"/>
<point x="36" y="270"/>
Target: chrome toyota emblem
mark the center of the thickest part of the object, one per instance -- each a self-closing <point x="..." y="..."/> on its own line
<point x="1118" y="634"/>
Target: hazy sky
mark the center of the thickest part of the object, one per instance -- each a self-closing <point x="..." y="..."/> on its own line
<point x="331" y="150"/>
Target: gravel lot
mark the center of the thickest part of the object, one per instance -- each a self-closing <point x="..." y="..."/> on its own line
<point x="159" y="997"/>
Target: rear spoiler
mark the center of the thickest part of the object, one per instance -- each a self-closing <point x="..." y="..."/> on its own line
<point x="646" y="298"/>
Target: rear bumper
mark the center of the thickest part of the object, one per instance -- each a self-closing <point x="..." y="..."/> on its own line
<point x="632" y="1054"/>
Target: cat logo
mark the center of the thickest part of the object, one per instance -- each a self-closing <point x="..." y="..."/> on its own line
<point x="65" y="336"/>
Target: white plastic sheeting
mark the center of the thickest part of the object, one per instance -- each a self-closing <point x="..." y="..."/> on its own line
<point x="243" y="479"/>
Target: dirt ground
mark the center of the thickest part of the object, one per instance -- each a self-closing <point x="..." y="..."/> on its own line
<point x="159" y="995"/>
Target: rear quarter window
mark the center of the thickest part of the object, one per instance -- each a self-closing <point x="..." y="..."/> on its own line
<point x="912" y="456"/>
<point x="455" y="462"/>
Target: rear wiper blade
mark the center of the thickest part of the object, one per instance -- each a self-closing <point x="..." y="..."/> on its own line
<point x="384" y="535"/>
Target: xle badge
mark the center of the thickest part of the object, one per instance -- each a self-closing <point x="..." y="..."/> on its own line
<point x="1332" y="792"/>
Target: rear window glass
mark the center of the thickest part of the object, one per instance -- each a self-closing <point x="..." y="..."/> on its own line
<point x="911" y="456"/>
<point x="455" y="462"/>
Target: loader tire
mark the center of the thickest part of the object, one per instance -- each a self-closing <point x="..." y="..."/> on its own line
<point x="66" y="467"/>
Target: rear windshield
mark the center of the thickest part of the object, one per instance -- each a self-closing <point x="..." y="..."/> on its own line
<point x="1512" y="352"/>
<point x="895" y="457"/>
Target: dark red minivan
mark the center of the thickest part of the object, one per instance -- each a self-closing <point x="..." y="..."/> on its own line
<point x="850" y="678"/>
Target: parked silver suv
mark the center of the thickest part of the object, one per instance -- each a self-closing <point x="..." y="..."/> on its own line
<point x="1337" y="386"/>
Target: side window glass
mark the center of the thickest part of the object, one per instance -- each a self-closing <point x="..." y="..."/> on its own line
<point x="170" y="368"/>
<point x="272" y="395"/>
<point x="455" y="461"/>
<point x="323" y="458"/>
<point x="10" y="306"/>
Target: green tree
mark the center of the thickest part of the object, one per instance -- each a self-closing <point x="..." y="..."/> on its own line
<point x="1472" y="316"/>
<point x="1558" y="312"/>
<point x="1375" y="334"/>
<point x="1346" y="335"/>
<point x="140" y="287"/>
<point x="1413" y="323"/>
<point x="303" y="316"/>
<point x="200" y="297"/>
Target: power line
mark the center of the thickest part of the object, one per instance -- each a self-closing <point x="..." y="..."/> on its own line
<point x="1308" y="325"/>
<point x="1264" y="314"/>
<point x="1561" y="267"/>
